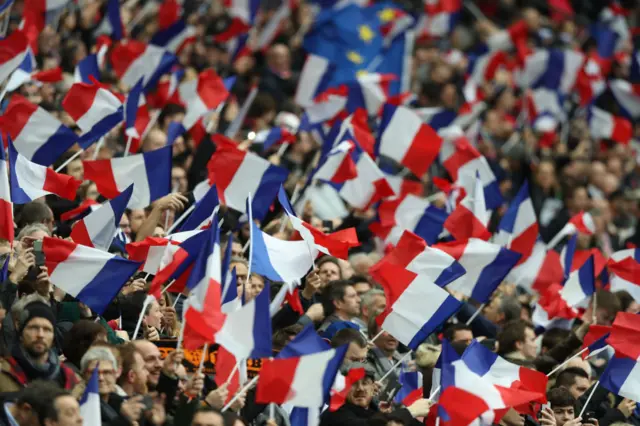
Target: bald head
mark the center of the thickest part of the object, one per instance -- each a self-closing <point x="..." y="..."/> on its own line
<point x="156" y="139"/>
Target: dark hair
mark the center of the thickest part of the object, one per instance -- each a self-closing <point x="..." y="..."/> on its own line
<point x="510" y="307"/>
<point x="282" y="336"/>
<point x="359" y="279"/>
<point x="41" y="396"/>
<point x="79" y="338"/>
<point x="608" y="302"/>
<point x="512" y="333"/>
<point x="346" y="336"/>
<point x="382" y="419"/>
<point x="625" y="299"/>
<point x="34" y="212"/>
<point x="207" y="410"/>
<point x="262" y="104"/>
<point x="561" y="397"/>
<point x="450" y="332"/>
<point x="552" y="337"/>
<point x="334" y="291"/>
<point x="567" y="377"/>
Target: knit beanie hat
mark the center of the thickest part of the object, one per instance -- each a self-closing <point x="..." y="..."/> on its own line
<point x="36" y="310"/>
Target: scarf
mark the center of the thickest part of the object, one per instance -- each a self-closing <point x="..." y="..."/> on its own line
<point x="50" y="370"/>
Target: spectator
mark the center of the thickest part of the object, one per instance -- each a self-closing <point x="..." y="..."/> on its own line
<point x="133" y="376"/>
<point x="38" y="402"/>
<point x="34" y="358"/>
<point x="207" y="417"/>
<point x="372" y="303"/>
<point x="358" y="348"/>
<point x="36" y="212"/>
<point x="361" y="284"/>
<point x="516" y="341"/>
<point x="384" y="355"/>
<point x="458" y="333"/>
<point x="340" y="303"/>
<point x="575" y="379"/>
<point x="329" y="270"/>
<point x="563" y="404"/>
<point x="80" y="338"/>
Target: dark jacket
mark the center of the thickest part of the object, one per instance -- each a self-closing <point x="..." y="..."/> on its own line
<point x="354" y="415"/>
<point x="13" y="378"/>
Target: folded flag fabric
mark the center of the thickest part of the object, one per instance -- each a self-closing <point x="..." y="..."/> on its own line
<point x="98" y="228"/>
<point x="413" y="253"/>
<point x="411" y="389"/>
<point x="624" y="335"/>
<point x="404" y="138"/>
<point x="237" y="173"/>
<point x="92" y="276"/>
<point x="338" y="165"/>
<point x="275" y="136"/>
<point x="582" y="222"/>
<point x="470" y="218"/>
<point x="229" y="296"/>
<point x="202" y="213"/>
<point x="90" y="401"/>
<point x="30" y="181"/>
<point x="95" y="109"/>
<point x="150" y="174"/>
<point x="518" y="229"/>
<point x="150" y="250"/>
<point x="13" y="50"/>
<point x="595" y="340"/>
<point x="246" y="333"/>
<point x="36" y="134"/>
<point x="622" y="377"/>
<point x="133" y="60"/>
<point x="202" y="313"/>
<point x="303" y="381"/>
<point x="6" y="205"/>
<point x="499" y="371"/>
<point x="624" y="272"/>
<point x="562" y="302"/>
<point x="88" y="69"/>
<point x="604" y="125"/>
<point x="408" y="213"/>
<point x="486" y="264"/>
<point x="336" y="244"/>
<point x="280" y="260"/>
<point x="136" y="114"/>
<point x="416" y="306"/>
<point x="201" y="95"/>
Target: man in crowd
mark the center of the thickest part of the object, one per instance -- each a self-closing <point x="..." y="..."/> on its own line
<point x="575" y="379"/>
<point x="372" y="303"/>
<point x="41" y="403"/>
<point x="340" y="303"/>
<point x="34" y="357"/>
<point x="516" y="341"/>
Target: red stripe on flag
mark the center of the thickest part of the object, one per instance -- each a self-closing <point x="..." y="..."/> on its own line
<point x="17" y="115"/>
<point x="6" y="220"/>
<point x="80" y="234"/>
<point x="124" y="53"/>
<point x="224" y="164"/>
<point x="56" y="251"/>
<point x="64" y="186"/>
<point x="12" y="46"/>
<point x="100" y="172"/>
<point x="225" y="364"/>
<point x="422" y="151"/>
<point x="49" y="76"/>
<point x="276" y="377"/>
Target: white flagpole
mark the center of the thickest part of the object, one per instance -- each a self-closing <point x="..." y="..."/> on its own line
<point x="203" y="357"/>
<point x="584" y="407"/>
<point x="250" y="212"/>
<point x="98" y="148"/>
<point x="128" y="147"/>
<point x="392" y="369"/>
<point x="239" y="393"/>
<point x="182" y="217"/>
<point x="475" y="314"/>
<point x="146" y="303"/>
<point x="244" y="110"/>
<point x="567" y="361"/>
<point x="70" y="159"/>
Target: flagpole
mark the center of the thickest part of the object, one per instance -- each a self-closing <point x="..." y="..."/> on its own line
<point x="233" y="371"/>
<point x="180" y="219"/>
<point x="250" y="212"/>
<point x="594" y="317"/>
<point x="205" y="349"/>
<point x="164" y="290"/>
<point x="376" y="337"/>
<point x="584" y="407"/>
<point x="98" y="148"/>
<point x="128" y="146"/>
<point x="567" y="361"/>
<point x="272" y="411"/>
<point x="475" y="314"/>
<point x="146" y="303"/>
<point x="434" y="393"/>
<point x="182" y="326"/>
<point x="392" y="369"/>
<point x="70" y="159"/>
<point x="239" y="393"/>
<point x="244" y="110"/>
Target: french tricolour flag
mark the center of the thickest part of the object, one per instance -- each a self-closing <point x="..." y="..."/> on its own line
<point x="518" y="228"/>
<point x="274" y="136"/>
<point x="582" y="222"/>
<point x="627" y="96"/>
<point x="99" y="227"/>
<point x="404" y="138"/>
<point x="439" y="18"/>
<point x="202" y="214"/>
<point x="150" y="174"/>
<point x="175" y="37"/>
<point x="30" y="181"/>
<point x="416" y="306"/>
<point x="203" y="314"/>
<point x="624" y="272"/>
<point x="470" y="218"/>
<point x="622" y="377"/>
<point x="111" y="24"/>
<point x="36" y="134"/>
<point x="95" y="110"/>
<point x="300" y="381"/>
<point x="486" y="264"/>
<point x="201" y="95"/>
<point x="246" y="333"/>
<point x="90" y="401"/>
<point x="27" y="72"/>
<point x="413" y="254"/>
<point x="552" y="69"/>
<point x="237" y="173"/>
<point x="412" y="213"/>
<point x="577" y="289"/>
<point x="604" y="125"/>
<point x="136" y="114"/>
<point x="369" y="186"/>
<point x="501" y="372"/>
<point x="6" y="206"/>
<point x="133" y="60"/>
<point x="280" y="260"/>
<point x="90" y="67"/>
<point x="332" y="245"/>
<point x="13" y="50"/>
<point x="338" y="165"/>
<point x="411" y="389"/>
<point x="483" y="68"/>
<point x="464" y="163"/>
<point x="92" y="276"/>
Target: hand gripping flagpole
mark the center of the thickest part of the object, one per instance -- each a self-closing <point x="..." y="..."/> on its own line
<point x="240" y="393"/>
<point x="70" y="159"/>
<point x="392" y="369"/>
<point x="586" y="404"/>
<point x="475" y="314"/>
